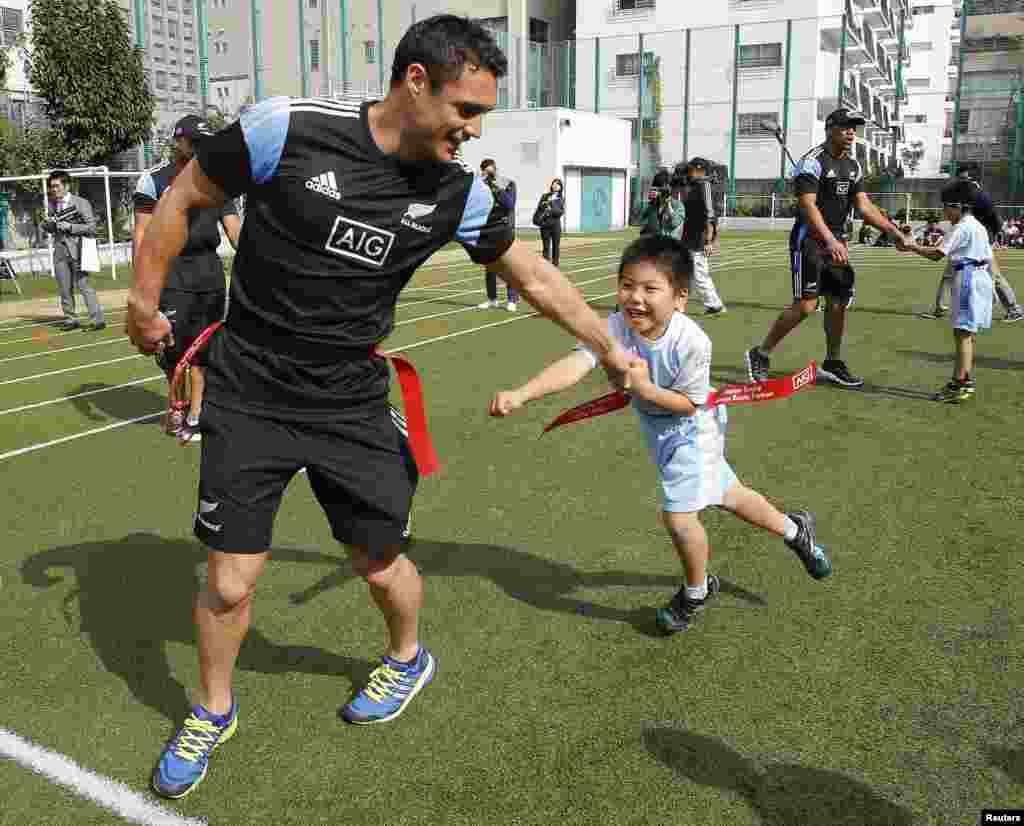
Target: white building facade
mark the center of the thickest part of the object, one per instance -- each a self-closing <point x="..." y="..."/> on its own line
<point x="720" y="57"/>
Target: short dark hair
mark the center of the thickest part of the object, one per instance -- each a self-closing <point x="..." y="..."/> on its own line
<point x="667" y="255"/>
<point x="554" y="181"/>
<point x="960" y="194"/>
<point x="486" y="162"/>
<point x="662" y="178"/>
<point x="444" y="44"/>
<point x="59" y="175"/>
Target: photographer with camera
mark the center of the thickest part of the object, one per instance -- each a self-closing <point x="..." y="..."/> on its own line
<point x="700" y="229"/>
<point x="663" y="214"/>
<point x="504" y="192"/>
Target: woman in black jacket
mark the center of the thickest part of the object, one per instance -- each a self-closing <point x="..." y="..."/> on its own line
<point x="548" y="216"/>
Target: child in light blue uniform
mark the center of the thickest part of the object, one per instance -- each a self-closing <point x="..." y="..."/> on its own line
<point x="670" y="382"/>
<point x="970" y="256"/>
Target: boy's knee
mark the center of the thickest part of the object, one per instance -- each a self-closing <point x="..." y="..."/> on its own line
<point x="380" y="569"/>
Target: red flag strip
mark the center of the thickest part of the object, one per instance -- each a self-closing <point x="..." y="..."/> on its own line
<point x="761" y="391"/>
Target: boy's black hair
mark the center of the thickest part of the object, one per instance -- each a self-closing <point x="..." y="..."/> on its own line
<point x="445" y="43"/>
<point x="960" y="194"/>
<point x="667" y="255"/>
<point x="59" y="175"/>
<point x="486" y="162"/>
<point x="661" y="180"/>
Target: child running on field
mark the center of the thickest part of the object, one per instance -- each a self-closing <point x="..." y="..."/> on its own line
<point x="670" y="380"/>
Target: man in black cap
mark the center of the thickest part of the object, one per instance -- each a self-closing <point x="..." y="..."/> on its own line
<point x="829" y="184"/>
<point x="699" y="232"/>
<point x="194" y="296"/>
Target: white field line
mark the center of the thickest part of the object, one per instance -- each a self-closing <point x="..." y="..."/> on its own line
<point x="71" y="369"/>
<point x="57" y="350"/>
<point x="114" y="426"/>
<point x="24" y="407"/>
<point x="430" y="268"/>
<point x="732" y="263"/>
<point x="103" y="791"/>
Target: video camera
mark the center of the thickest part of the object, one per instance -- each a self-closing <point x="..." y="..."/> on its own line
<point x="661" y="186"/>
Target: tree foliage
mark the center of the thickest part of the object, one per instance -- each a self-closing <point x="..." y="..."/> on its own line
<point x="82" y="62"/>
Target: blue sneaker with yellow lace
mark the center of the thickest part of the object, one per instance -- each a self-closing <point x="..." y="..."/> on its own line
<point x="184" y="761"/>
<point x="391" y="688"/>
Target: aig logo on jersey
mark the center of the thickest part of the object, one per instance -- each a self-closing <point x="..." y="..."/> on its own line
<point x="361" y="242"/>
<point x="842" y="187"/>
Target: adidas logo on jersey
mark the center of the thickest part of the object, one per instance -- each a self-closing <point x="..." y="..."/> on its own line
<point x="326" y="184"/>
<point x="831" y="173"/>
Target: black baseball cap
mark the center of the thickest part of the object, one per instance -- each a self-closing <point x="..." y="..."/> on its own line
<point x="699" y="163"/>
<point x="844" y="118"/>
<point x="192" y="127"/>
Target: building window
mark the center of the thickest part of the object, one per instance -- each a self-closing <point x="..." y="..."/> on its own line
<point x="760" y="55"/>
<point x="965" y="120"/>
<point x="371" y="51"/>
<point x="916" y="118"/>
<point x="190" y="83"/>
<point x="923" y="10"/>
<point x="748" y="124"/>
<point x="632" y="5"/>
<point x="158" y="25"/>
<point x="172" y="28"/>
<point x="540" y="30"/>
<point x="628" y="65"/>
<point x="12" y="22"/>
<point x="314" y="54"/>
<point x="161" y="80"/>
<point x="312" y="4"/>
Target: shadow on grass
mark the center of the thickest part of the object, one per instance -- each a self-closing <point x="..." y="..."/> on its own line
<point x="135" y="595"/>
<point x="986" y="362"/>
<point x="1009" y="761"/>
<point x="782" y="794"/>
<point x="122" y="404"/>
<point x="732" y="375"/>
<point x="542" y="583"/>
<point x="856" y="308"/>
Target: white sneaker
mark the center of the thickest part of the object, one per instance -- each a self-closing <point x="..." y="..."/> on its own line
<point x="488" y="305"/>
<point x="511" y="306"/>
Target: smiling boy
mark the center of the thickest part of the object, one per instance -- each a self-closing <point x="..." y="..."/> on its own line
<point x="670" y="379"/>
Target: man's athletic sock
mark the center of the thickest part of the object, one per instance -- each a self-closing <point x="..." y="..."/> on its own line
<point x="790" y="530"/>
<point x="698" y="593"/>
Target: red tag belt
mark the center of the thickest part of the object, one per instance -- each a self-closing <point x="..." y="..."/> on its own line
<point x="408" y="379"/>
<point x="761" y="391"/>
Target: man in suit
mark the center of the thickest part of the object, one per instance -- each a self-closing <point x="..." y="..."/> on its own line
<point x="71" y="219"/>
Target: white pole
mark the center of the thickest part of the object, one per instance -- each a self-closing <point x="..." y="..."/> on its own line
<point x="908" y="207"/>
<point x="49" y="237"/>
<point x="110" y="221"/>
<point x="773" y="210"/>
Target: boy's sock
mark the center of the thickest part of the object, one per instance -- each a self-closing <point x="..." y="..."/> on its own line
<point x="790" y="530"/>
<point x="697" y="593"/>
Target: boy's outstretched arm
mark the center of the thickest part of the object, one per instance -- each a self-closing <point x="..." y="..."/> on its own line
<point x="931" y="253"/>
<point x="562" y="374"/>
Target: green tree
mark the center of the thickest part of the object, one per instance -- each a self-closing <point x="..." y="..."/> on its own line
<point x="94" y="87"/>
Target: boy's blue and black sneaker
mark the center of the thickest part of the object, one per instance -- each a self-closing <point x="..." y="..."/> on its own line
<point x="185" y="758"/>
<point x="811" y="554"/>
<point x="391" y="688"/>
<point x="681" y="612"/>
<point x="956" y="392"/>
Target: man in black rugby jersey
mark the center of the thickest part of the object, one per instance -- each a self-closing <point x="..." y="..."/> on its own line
<point x="344" y="202"/>
<point x="829" y="183"/>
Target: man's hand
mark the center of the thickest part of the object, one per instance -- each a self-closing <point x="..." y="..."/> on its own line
<point x="902" y="244"/>
<point x="149" y="331"/>
<point x="63" y="226"/>
<point x="709" y="248"/>
<point x="506" y="402"/>
<point x="616" y="367"/>
<point x="837" y="249"/>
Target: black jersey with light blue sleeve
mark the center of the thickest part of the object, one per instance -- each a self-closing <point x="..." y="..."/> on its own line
<point x="334" y="229"/>
<point x="835" y="182"/>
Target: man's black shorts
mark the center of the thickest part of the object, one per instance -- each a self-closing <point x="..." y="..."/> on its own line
<point x="189" y="314"/>
<point x="359" y="466"/>
<point x="814" y="272"/>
